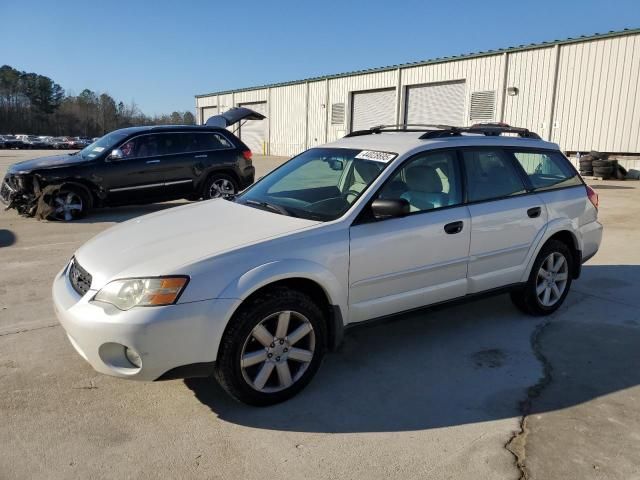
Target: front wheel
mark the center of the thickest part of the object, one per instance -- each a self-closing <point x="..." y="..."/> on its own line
<point x="219" y="185"/>
<point x="69" y="203"/>
<point x="549" y="281"/>
<point x="272" y="348"/>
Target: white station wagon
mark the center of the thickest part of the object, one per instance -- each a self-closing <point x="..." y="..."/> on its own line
<point x="255" y="289"/>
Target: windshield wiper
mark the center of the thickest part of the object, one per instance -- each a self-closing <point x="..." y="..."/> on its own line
<point x="270" y="206"/>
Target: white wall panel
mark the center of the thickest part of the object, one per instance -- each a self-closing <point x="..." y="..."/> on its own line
<point x="596" y="104"/>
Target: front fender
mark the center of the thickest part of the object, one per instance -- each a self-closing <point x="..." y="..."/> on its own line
<point x="260" y="276"/>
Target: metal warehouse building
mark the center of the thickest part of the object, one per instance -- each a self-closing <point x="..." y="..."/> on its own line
<point x="582" y="93"/>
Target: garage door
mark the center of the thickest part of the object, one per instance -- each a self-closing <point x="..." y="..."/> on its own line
<point x="207" y="112"/>
<point x="254" y="132"/>
<point x="441" y="103"/>
<point x="369" y="109"/>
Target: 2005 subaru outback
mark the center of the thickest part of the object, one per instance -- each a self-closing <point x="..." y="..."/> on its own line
<point x="379" y="222"/>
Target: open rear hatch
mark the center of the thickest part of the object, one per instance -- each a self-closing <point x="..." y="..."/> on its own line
<point x="232" y="116"/>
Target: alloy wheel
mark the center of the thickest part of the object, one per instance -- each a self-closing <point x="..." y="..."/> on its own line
<point x="278" y="351"/>
<point x="552" y="279"/>
<point x="221" y="188"/>
<point x="67" y="205"/>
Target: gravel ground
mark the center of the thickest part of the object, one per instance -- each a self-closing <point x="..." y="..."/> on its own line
<point x="429" y="395"/>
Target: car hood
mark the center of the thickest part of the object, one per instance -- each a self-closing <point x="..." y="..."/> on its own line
<point x="167" y="242"/>
<point x="52" y="161"/>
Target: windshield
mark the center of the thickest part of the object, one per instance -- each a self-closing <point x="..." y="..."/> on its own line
<point x="103" y="143"/>
<point x="319" y="184"/>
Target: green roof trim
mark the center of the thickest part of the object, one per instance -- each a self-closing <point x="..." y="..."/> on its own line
<point x="519" y="48"/>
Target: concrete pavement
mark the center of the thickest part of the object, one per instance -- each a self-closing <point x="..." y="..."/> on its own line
<point x="428" y="395"/>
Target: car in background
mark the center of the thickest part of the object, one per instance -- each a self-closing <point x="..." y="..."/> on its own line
<point x="34" y="142"/>
<point x="12" y="142"/>
<point x="59" y="143"/>
<point x="381" y="222"/>
<point x="136" y="165"/>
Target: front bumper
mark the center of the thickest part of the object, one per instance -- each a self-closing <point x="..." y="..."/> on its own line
<point x="165" y="337"/>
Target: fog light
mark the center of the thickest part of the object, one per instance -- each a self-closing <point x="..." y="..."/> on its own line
<point x="133" y="357"/>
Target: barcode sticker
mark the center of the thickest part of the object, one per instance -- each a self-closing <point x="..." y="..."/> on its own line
<point x="376" y="156"/>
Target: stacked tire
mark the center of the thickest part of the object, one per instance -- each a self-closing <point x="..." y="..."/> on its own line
<point x="598" y="165"/>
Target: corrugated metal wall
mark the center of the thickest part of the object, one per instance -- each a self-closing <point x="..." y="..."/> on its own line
<point x="583" y="95"/>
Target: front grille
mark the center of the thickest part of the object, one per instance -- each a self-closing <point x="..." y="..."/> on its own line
<point x="80" y="279"/>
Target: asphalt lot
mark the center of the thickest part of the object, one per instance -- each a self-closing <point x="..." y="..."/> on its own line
<point x="429" y="395"/>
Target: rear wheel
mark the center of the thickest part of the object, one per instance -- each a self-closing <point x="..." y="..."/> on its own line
<point x="219" y="185"/>
<point x="549" y="281"/>
<point x="272" y="348"/>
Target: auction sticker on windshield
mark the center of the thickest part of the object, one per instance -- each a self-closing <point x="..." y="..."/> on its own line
<point x="385" y="157"/>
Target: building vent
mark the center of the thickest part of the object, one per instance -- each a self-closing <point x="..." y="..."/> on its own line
<point x="483" y="106"/>
<point x="337" y="114"/>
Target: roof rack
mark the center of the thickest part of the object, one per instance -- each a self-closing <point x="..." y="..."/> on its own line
<point x="442" y="131"/>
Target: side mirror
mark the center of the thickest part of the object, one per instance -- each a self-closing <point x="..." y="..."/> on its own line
<point x="389" y="208"/>
<point x="116" y="154"/>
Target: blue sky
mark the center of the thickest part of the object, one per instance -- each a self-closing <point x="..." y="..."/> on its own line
<point x="161" y="53"/>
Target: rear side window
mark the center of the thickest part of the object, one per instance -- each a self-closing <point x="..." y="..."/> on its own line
<point x="490" y="174"/>
<point x="547" y="170"/>
<point x="206" y="141"/>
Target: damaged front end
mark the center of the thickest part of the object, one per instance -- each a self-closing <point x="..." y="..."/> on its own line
<point x="24" y="193"/>
<point x="20" y="191"/>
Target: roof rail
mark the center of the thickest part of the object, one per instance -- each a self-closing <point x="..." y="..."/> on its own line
<point x="441" y="131"/>
<point x="404" y="127"/>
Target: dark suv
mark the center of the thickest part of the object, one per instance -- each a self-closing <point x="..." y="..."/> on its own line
<point x="134" y="165"/>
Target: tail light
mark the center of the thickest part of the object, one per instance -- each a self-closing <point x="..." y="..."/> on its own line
<point x="247" y="154"/>
<point x="593" y="196"/>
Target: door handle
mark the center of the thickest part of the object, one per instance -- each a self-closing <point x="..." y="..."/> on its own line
<point x="200" y="156"/>
<point x="152" y="161"/>
<point x="453" y="227"/>
<point x="534" y="212"/>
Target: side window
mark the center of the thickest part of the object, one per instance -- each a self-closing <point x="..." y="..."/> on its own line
<point x="199" y="142"/>
<point x="144" y="146"/>
<point x="490" y="174"/>
<point x="427" y="182"/>
<point x="547" y="170"/>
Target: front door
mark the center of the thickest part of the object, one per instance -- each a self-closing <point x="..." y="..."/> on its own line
<point x="404" y="263"/>
<point x="137" y="176"/>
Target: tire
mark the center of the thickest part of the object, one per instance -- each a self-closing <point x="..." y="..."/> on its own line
<point x="64" y="202"/>
<point x="219" y="185"/>
<point x="262" y="383"/>
<point x="587" y="173"/>
<point x="621" y="173"/>
<point x="528" y="299"/>
<point x="601" y="163"/>
<point x="604" y="172"/>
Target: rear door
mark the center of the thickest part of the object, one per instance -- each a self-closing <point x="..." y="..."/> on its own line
<point x="505" y="218"/>
<point x="403" y="263"/>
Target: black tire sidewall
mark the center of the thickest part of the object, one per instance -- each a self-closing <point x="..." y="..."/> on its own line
<point x="531" y="297"/>
<point x="228" y="366"/>
<point x="213" y="178"/>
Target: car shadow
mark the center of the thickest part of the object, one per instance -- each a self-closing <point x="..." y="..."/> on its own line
<point x="464" y="364"/>
<point x="124" y="213"/>
<point x="7" y="238"/>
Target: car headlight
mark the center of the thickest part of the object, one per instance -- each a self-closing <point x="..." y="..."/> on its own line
<point x="142" y="292"/>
